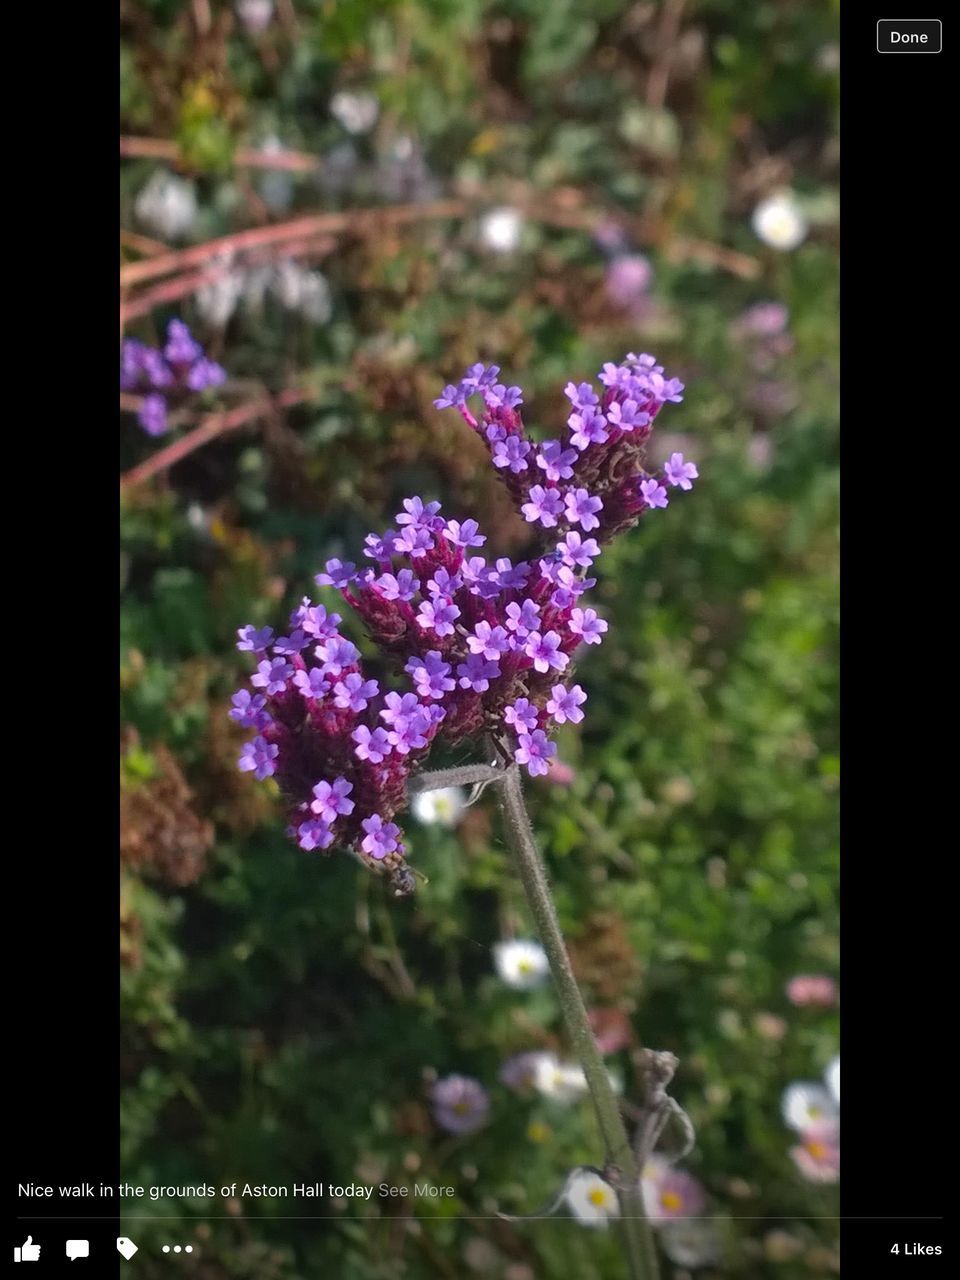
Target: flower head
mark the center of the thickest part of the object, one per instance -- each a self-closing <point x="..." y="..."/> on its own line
<point x="460" y="1104"/>
<point x="521" y="964"/>
<point x="591" y="1199"/>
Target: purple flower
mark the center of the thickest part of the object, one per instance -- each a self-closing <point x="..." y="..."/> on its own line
<point x="415" y="541"/>
<point x="272" y="675"/>
<point x="416" y="514"/>
<point x="442" y="584"/>
<point x="156" y="370"/>
<point x="431" y="675"/>
<point x="315" y="621"/>
<point x="575" y="550"/>
<point x="381" y="837"/>
<point x="476" y="673"/>
<point x="373" y="746"/>
<point x="338" y="573"/>
<point x="534" y="750"/>
<point x="545" y="651"/>
<point x="564" y="704"/>
<point x="627" y="415"/>
<point x="477" y="377"/>
<point x="403" y="586"/>
<point x="312" y="683"/>
<point x="253" y="640"/>
<point x="495" y="433"/>
<point x="653" y="493"/>
<point x="131" y="364"/>
<point x="438" y="615"/>
<point x="399" y="708"/>
<point x="589" y="426"/>
<point x="330" y="800"/>
<point x="488" y="641"/>
<point x="464" y="535"/>
<point x="291" y="644"/>
<point x="460" y="1104"/>
<point x="545" y="505"/>
<point x="523" y="618"/>
<point x="512" y="577"/>
<point x="380" y="546"/>
<point x="520" y="1071"/>
<point x="248" y="710"/>
<point x="586" y="624"/>
<point x="522" y="715"/>
<point x="452" y="397"/>
<point x="181" y="348"/>
<point x="352" y="693"/>
<point x="679" y="473"/>
<point x="581" y="507"/>
<point x="259" y="756"/>
<point x="628" y="278"/>
<point x="557" y="462"/>
<point x="153" y="415"/>
<point x="511" y="453"/>
<point x="581" y="396"/>
<point x="206" y="373"/>
<point x="499" y="396"/>
<point x="409" y="733"/>
<point x="314" y="834"/>
<point x="335" y="653"/>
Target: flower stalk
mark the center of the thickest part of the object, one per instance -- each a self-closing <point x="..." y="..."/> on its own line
<point x="635" y="1230"/>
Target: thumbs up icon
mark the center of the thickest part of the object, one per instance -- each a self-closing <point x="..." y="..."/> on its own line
<point x="27" y="1252"/>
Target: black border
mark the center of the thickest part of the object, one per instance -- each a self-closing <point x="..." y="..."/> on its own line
<point x="898" y="249"/>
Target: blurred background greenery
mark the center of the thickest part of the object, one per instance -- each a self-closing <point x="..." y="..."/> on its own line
<point x="282" y="1016"/>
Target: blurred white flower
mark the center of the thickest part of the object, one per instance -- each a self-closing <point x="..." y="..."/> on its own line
<point x="807" y="1105"/>
<point x="690" y="1242"/>
<point x="256" y="282"/>
<point x="521" y="964"/>
<point x="562" y="1082"/>
<point x="779" y="222"/>
<point x="500" y="229"/>
<point x="357" y="112"/>
<point x="832" y="1077"/>
<point x="591" y="1199"/>
<point x="167" y="205"/>
<point x="315" y="301"/>
<point x="255" y="15"/>
<point x="217" y="300"/>
<point x="276" y="185"/>
<point x="300" y="290"/>
<point x="443" y="806"/>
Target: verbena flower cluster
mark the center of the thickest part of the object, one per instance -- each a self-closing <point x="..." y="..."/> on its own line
<point x="164" y="374"/>
<point x="487" y="646"/>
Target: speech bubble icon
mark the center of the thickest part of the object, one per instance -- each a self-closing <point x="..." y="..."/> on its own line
<point x="78" y="1249"/>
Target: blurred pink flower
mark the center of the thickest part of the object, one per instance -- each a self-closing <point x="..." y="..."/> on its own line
<point x="818" y="1154"/>
<point x="670" y="1193"/>
<point x="628" y="279"/>
<point x="812" y="990"/>
<point x="611" y="1029"/>
<point x="559" y="773"/>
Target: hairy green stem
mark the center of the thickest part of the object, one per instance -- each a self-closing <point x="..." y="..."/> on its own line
<point x="635" y="1230"/>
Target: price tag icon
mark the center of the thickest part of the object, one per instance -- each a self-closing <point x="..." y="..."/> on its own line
<point x="126" y="1247"/>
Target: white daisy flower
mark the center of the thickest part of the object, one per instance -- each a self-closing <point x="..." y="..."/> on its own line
<point x="562" y="1082"/>
<point x="807" y="1106"/>
<point x="832" y="1077"/>
<point x="500" y="229"/>
<point x="779" y="222"/>
<point x="522" y="964"/>
<point x="591" y="1199"/>
<point x="442" y="807"/>
<point x="167" y="205"/>
<point x="357" y="112"/>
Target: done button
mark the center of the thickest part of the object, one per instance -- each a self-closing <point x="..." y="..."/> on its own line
<point x="909" y="35"/>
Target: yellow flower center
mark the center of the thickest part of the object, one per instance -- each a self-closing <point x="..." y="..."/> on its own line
<point x="817" y="1149"/>
<point x="598" y="1196"/>
<point x="671" y="1200"/>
